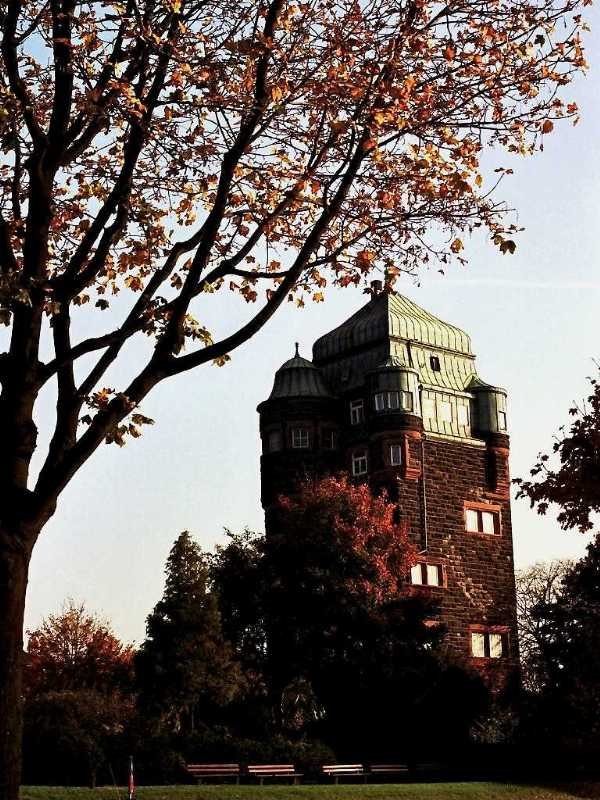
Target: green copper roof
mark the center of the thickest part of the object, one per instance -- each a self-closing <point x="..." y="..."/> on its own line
<point x="298" y="378"/>
<point x="391" y="315"/>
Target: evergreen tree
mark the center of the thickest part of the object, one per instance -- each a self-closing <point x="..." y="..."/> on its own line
<point x="185" y="668"/>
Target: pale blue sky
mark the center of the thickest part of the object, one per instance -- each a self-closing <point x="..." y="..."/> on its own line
<point x="534" y="319"/>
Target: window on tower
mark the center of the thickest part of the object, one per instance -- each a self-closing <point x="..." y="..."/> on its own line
<point x="275" y="441"/>
<point x="482" y="519"/>
<point x="395" y="455"/>
<point x="424" y="574"/>
<point x="300" y="438"/>
<point x="435" y="363"/>
<point x="393" y="401"/>
<point x="501" y="420"/>
<point x="357" y="411"/>
<point x="462" y="415"/>
<point x="360" y="465"/>
<point x="489" y="643"/>
<point x="329" y="440"/>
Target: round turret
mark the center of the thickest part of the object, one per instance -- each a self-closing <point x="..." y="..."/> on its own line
<point x="394" y="387"/>
<point x="299" y="427"/>
<point x="298" y="378"/>
<point x="490" y="406"/>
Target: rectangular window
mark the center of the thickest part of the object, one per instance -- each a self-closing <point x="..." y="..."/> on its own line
<point x="329" y="439"/>
<point x="481" y="520"/>
<point x="407" y="400"/>
<point x="359" y="463"/>
<point x="502" y="420"/>
<point x="388" y="400"/>
<point x="395" y="454"/>
<point x="424" y="574"/>
<point x="495" y="645"/>
<point x="428" y="408"/>
<point x="462" y="413"/>
<point x="300" y="439"/>
<point x="488" y="522"/>
<point x="433" y="574"/>
<point x="275" y="442"/>
<point x="478" y="645"/>
<point x="444" y="410"/>
<point x="357" y="412"/>
<point x="487" y="644"/>
<point x="416" y="575"/>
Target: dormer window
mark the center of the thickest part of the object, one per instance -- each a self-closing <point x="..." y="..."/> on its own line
<point x="300" y="438"/>
<point x="435" y="363"/>
<point x="274" y="441"/>
<point x="360" y="464"/>
<point x="393" y="401"/>
<point x="357" y="411"/>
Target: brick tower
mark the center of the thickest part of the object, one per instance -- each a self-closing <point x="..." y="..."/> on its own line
<point x="392" y="397"/>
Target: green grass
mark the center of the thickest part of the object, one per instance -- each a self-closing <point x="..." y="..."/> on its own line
<point x="405" y="791"/>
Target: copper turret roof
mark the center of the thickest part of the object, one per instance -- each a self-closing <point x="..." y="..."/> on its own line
<point x="299" y="378"/>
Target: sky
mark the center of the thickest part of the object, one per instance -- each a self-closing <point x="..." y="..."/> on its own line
<point x="534" y="320"/>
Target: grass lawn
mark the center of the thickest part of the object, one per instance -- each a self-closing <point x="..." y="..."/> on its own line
<point x="405" y="791"/>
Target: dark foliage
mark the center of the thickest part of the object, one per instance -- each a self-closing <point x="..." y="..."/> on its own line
<point x="574" y="484"/>
<point x="566" y="709"/>
<point x="184" y="668"/>
<point x="337" y="650"/>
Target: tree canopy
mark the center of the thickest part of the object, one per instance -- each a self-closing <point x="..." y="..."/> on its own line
<point x="76" y="650"/>
<point x="569" y="641"/>
<point x="537" y="586"/>
<point x="78" y="695"/>
<point x="184" y="667"/>
<point x="170" y="151"/>
<point x="570" y="477"/>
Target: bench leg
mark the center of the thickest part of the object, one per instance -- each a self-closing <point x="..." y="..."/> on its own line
<point x="261" y="780"/>
<point x="237" y="780"/>
<point x="296" y="781"/>
<point x="336" y="779"/>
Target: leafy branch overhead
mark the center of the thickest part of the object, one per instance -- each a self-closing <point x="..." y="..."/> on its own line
<point x="570" y="476"/>
<point x="158" y="154"/>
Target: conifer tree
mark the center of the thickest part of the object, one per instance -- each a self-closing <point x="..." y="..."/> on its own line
<point x="185" y="667"/>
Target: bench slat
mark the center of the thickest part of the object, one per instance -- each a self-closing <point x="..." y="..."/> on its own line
<point x="271" y="768"/>
<point x="343" y="768"/>
<point x="388" y="768"/>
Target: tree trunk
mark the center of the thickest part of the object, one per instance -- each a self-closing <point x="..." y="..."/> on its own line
<point x="14" y="567"/>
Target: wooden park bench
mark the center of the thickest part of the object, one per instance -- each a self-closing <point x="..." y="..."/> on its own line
<point x="387" y="770"/>
<point x="207" y="771"/>
<point x="337" y="771"/>
<point x="262" y="771"/>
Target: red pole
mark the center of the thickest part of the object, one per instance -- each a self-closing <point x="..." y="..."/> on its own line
<point x="131" y="782"/>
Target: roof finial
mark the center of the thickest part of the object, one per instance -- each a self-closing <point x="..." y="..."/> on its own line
<point x="297" y="353"/>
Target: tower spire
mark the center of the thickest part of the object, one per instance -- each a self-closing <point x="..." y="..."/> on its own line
<point x="297" y="353"/>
